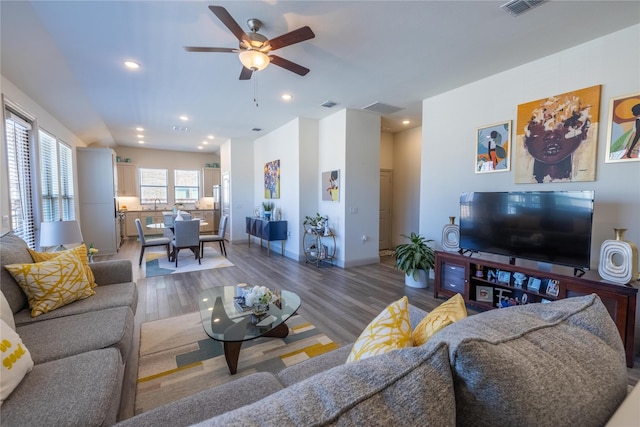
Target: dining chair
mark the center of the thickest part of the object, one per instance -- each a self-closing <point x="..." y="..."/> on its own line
<point x="186" y="236"/>
<point x="222" y="229"/>
<point x="145" y="243"/>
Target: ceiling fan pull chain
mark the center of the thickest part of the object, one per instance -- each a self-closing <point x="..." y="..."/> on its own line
<point x="255" y="88"/>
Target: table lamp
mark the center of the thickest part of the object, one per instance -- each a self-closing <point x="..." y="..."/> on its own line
<point x="59" y="233"/>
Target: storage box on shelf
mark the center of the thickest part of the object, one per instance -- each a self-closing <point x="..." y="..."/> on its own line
<point x="486" y="283"/>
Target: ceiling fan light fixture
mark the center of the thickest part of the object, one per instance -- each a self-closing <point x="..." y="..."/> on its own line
<point x="254" y="60"/>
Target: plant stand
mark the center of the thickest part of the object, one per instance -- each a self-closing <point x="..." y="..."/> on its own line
<point x="318" y="247"/>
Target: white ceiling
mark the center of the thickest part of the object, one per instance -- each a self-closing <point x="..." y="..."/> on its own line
<point x="68" y="56"/>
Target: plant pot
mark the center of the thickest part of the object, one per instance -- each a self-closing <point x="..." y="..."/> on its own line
<point x="422" y="282"/>
<point x="267" y="215"/>
<point x="260" y="309"/>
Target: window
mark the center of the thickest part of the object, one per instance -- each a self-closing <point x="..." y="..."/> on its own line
<point x="187" y="186"/>
<point x="56" y="178"/>
<point x="19" y="169"/>
<point x="153" y="185"/>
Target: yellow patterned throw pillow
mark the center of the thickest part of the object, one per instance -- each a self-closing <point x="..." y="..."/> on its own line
<point x="390" y="330"/>
<point x="81" y="251"/>
<point x="444" y="315"/>
<point x="52" y="284"/>
<point x="16" y="360"/>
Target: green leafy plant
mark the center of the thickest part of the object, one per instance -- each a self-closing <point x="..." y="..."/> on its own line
<point x="415" y="255"/>
<point x="267" y="206"/>
<point x="315" y="221"/>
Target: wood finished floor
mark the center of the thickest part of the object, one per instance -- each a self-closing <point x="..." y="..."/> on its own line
<point x="339" y="302"/>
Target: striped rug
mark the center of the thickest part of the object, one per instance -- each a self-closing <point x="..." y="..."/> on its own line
<point x="177" y="358"/>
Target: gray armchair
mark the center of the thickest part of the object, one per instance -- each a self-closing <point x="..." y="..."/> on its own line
<point x="186" y="236"/>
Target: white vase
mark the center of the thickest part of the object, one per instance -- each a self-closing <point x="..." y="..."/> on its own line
<point x="618" y="259"/>
<point x="451" y="236"/>
<point x="423" y="275"/>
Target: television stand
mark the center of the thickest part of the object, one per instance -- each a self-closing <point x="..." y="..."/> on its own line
<point x="486" y="283"/>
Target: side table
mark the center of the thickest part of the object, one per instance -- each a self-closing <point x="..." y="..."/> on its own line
<point x="318" y="247"/>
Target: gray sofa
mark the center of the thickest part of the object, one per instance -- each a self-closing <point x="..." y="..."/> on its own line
<point x="79" y="350"/>
<point x="553" y="364"/>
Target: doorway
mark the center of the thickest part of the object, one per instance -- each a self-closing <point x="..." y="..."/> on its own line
<point x="386" y="201"/>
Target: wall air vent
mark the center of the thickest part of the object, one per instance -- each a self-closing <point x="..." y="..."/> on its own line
<point x="517" y="7"/>
<point x="379" y="107"/>
<point x="329" y="104"/>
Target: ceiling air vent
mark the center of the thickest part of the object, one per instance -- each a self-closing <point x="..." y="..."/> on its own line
<point x="180" y="128"/>
<point x="329" y="104"/>
<point x="379" y="107"/>
<point x="256" y="129"/>
<point x="516" y="7"/>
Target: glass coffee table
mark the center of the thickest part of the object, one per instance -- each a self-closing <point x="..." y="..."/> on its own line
<point x="228" y="323"/>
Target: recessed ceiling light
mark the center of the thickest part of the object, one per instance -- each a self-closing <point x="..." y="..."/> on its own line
<point x="287" y="97"/>
<point x="131" y="65"/>
<point x="205" y="142"/>
<point x="139" y="129"/>
<point x="140" y="136"/>
<point x="184" y="118"/>
<point x="405" y="122"/>
<point x="200" y="147"/>
<point x="141" y="142"/>
<point x="210" y="136"/>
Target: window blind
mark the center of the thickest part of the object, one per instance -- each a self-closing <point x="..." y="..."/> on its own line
<point x="19" y="168"/>
<point x="153" y="185"/>
<point x="187" y="186"/>
<point x="66" y="182"/>
<point x="49" y="178"/>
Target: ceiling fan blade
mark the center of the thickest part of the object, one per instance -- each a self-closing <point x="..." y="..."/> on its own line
<point x="231" y="24"/>
<point x="288" y="65"/>
<point x="293" y="37"/>
<point x="246" y="74"/>
<point x="210" y="49"/>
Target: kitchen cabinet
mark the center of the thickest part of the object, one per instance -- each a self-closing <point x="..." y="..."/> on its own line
<point x="127" y="174"/>
<point x="210" y="177"/>
<point x="130" y="225"/>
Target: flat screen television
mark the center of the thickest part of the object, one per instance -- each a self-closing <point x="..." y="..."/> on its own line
<point x="546" y="226"/>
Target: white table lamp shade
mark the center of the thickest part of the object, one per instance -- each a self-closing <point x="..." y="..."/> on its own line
<point x="58" y="233"/>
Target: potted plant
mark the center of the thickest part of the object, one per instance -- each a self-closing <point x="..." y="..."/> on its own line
<point x="316" y="223"/>
<point x="268" y="207"/>
<point x="415" y="258"/>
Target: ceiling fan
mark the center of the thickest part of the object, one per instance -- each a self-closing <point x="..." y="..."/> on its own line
<point x="255" y="49"/>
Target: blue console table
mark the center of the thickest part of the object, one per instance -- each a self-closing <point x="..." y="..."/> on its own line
<point x="267" y="230"/>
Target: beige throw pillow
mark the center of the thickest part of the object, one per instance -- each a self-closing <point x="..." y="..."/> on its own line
<point x="16" y="360"/>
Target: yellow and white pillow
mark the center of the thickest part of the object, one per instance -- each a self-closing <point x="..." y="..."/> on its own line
<point x="445" y="314"/>
<point x="52" y="284"/>
<point x="390" y="330"/>
<point x="81" y="251"/>
<point x="16" y="360"/>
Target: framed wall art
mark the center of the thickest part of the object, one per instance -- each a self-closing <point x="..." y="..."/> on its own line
<point x="623" y="136"/>
<point x="484" y="294"/>
<point x="557" y="138"/>
<point x="272" y="180"/>
<point x="331" y="186"/>
<point x="493" y="148"/>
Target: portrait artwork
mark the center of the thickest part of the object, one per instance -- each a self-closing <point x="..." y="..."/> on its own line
<point x="272" y="180"/>
<point x="623" y="136"/>
<point x="557" y="138"/>
<point x="493" y="148"/>
<point x="331" y="186"/>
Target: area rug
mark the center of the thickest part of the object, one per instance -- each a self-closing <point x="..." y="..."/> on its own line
<point x="157" y="263"/>
<point x="177" y="358"/>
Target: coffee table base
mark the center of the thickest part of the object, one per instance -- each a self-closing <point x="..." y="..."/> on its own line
<point x="232" y="348"/>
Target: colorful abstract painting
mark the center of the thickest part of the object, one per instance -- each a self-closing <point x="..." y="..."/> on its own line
<point x="272" y="180"/>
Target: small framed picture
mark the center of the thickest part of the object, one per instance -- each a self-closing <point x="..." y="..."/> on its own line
<point x="553" y="288"/>
<point x="518" y="280"/>
<point x="491" y="275"/>
<point x="493" y="143"/>
<point x="504" y="277"/>
<point x="623" y="134"/>
<point x="534" y="284"/>
<point x="484" y="294"/>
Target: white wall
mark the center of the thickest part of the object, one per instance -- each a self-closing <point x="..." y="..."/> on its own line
<point x="407" y="147"/>
<point x="450" y="120"/>
<point x="386" y="150"/>
<point x="240" y="160"/>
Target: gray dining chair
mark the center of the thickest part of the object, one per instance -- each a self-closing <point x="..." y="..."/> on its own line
<point x="186" y="235"/>
<point x="145" y="243"/>
<point x="222" y="230"/>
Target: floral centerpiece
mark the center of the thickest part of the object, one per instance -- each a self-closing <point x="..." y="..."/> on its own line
<point x="258" y="298"/>
<point x="91" y="252"/>
<point x="317" y="222"/>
